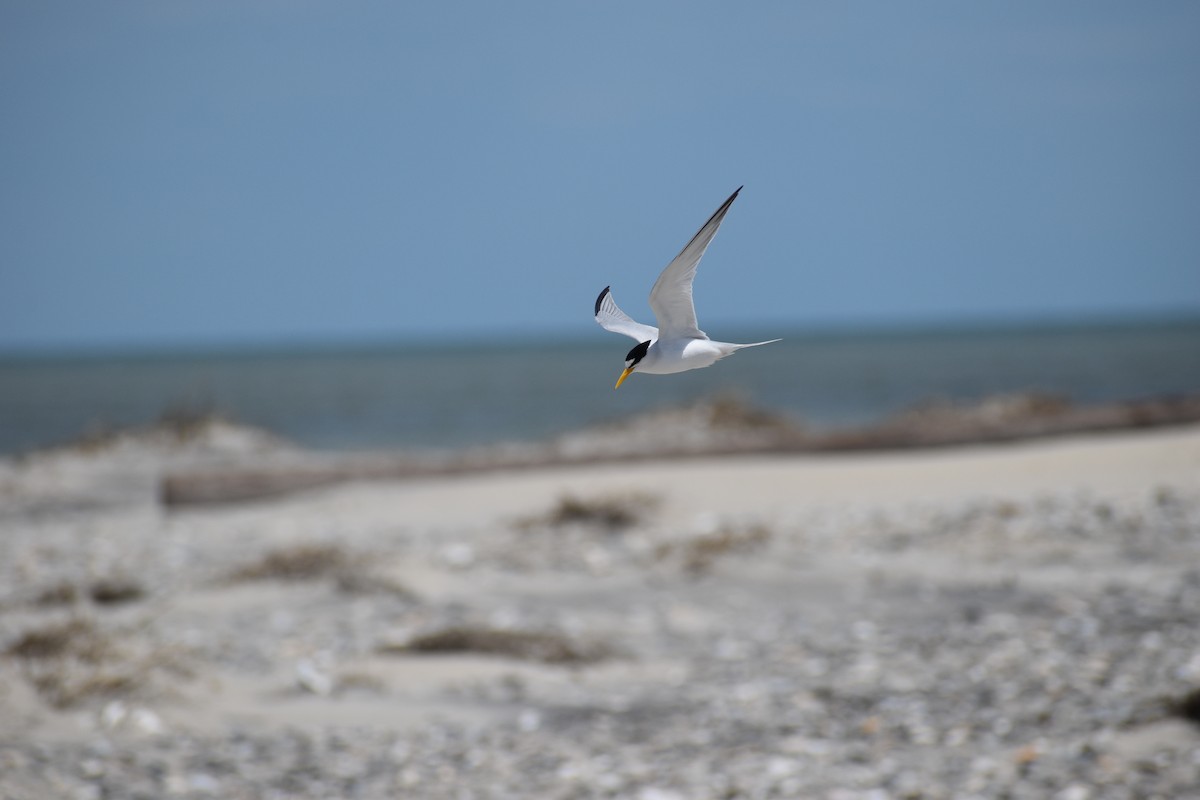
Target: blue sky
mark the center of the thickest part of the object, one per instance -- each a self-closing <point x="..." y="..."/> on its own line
<point x="181" y="173"/>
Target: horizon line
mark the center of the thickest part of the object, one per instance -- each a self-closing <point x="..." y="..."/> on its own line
<point x="334" y="343"/>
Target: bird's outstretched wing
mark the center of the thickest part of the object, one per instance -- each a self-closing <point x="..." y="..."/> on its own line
<point x="614" y="319"/>
<point x="671" y="297"/>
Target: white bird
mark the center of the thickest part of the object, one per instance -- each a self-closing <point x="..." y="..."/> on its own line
<point x="677" y="344"/>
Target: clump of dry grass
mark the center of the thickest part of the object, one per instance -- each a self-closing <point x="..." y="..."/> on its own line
<point x="65" y="683"/>
<point x="1188" y="707"/>
<point x="732" y="411"/>
<point x="66" y="686"/>
<point x="73" y="661"/>
<point x="105" y="591"/>
<point x="352" y="574"/>
<point x="300" y="562"/>
<point x="355" y="682"/>
<point x="111" y="591"/>
<point x="182" y="423"/>
<point x="186" y="422"/>
<point x="353" y="581"/>
<point x="97" y="436"/>
<point x="697" y="554"/>
<point x="612" y="512"/>
<point x="59" y="594"/>
<point x="74" y="638"/>
<point x="547" y="647"/>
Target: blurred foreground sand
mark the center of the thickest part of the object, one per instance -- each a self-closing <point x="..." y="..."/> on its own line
<point x="1010" y="618"/>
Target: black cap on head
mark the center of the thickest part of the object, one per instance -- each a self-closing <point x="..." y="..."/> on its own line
<point x="638" y="353"/>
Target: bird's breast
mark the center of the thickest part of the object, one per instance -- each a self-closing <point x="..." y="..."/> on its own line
<point x="679" y="355"/>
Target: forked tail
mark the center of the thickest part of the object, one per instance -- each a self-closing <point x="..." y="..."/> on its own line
<point x="756" y="344"/>
<point x="730" y="349"/>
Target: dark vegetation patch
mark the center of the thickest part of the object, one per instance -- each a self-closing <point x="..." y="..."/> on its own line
<point x="59" y="594"/>
<point x="186" y="422"/>
<point x="113" y="591"/>
<point x="76" y="638"/>
<point x="612" y="512"/>
<point x="300" y="562"/>
<point x="733" y="411"/>
<point x="364" y="582"/>
<point x="697" y="554"/>
<point x="359" y="682"/>
<point x="1188" y="707"/>
<point x="73" y="662"/>
<point x="105" y="591"/>
<point x="63" y="687"/>
<point x="182" y="423"/>
<point x="546" y="647"/>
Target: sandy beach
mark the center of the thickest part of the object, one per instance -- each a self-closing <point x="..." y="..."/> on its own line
<point x="1013" y="620"/>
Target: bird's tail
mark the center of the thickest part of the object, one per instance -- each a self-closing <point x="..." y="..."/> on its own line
<point x="730" y="349"/>
<point x="756" y="344"/>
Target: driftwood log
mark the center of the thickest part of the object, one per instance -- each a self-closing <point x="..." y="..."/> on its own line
<point x="1002" y="419"/>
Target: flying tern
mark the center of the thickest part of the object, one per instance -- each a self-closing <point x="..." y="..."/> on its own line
<point x="677" y="344"/>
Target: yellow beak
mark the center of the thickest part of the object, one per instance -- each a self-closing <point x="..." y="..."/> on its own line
<point x="628" y="371"/>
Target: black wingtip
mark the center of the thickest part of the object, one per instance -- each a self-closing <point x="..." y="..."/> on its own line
<point x="600" y="299"/>
<point x="729" y="201"/>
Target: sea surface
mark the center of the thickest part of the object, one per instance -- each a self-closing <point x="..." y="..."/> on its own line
<point x="435" y="395"/>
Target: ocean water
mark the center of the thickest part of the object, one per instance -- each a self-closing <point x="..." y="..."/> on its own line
<point x="447" y="396"/>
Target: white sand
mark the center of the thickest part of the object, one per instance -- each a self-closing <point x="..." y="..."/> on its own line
<point x="1119" y="464"/>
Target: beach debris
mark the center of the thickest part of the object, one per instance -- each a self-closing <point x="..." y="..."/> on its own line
<point x="77" y="638"/>
<point x="103" y="591"/>
<point x="365" y="682"/>
<point x="733" y="411"/>
<point x="71" y="662"/>
<point x="545" y="646"/>
<point x="697" y="551"/>
<point x="298" y="562"/>
<point x="115" y="590"/>
<point x="612" y="512"/>
<point x="1188" y="706"/>
<point x="63" y="593"/>
<point x="372" y="582"/>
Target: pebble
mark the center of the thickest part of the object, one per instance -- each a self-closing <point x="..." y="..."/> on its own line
<point x="312" y="679"/>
